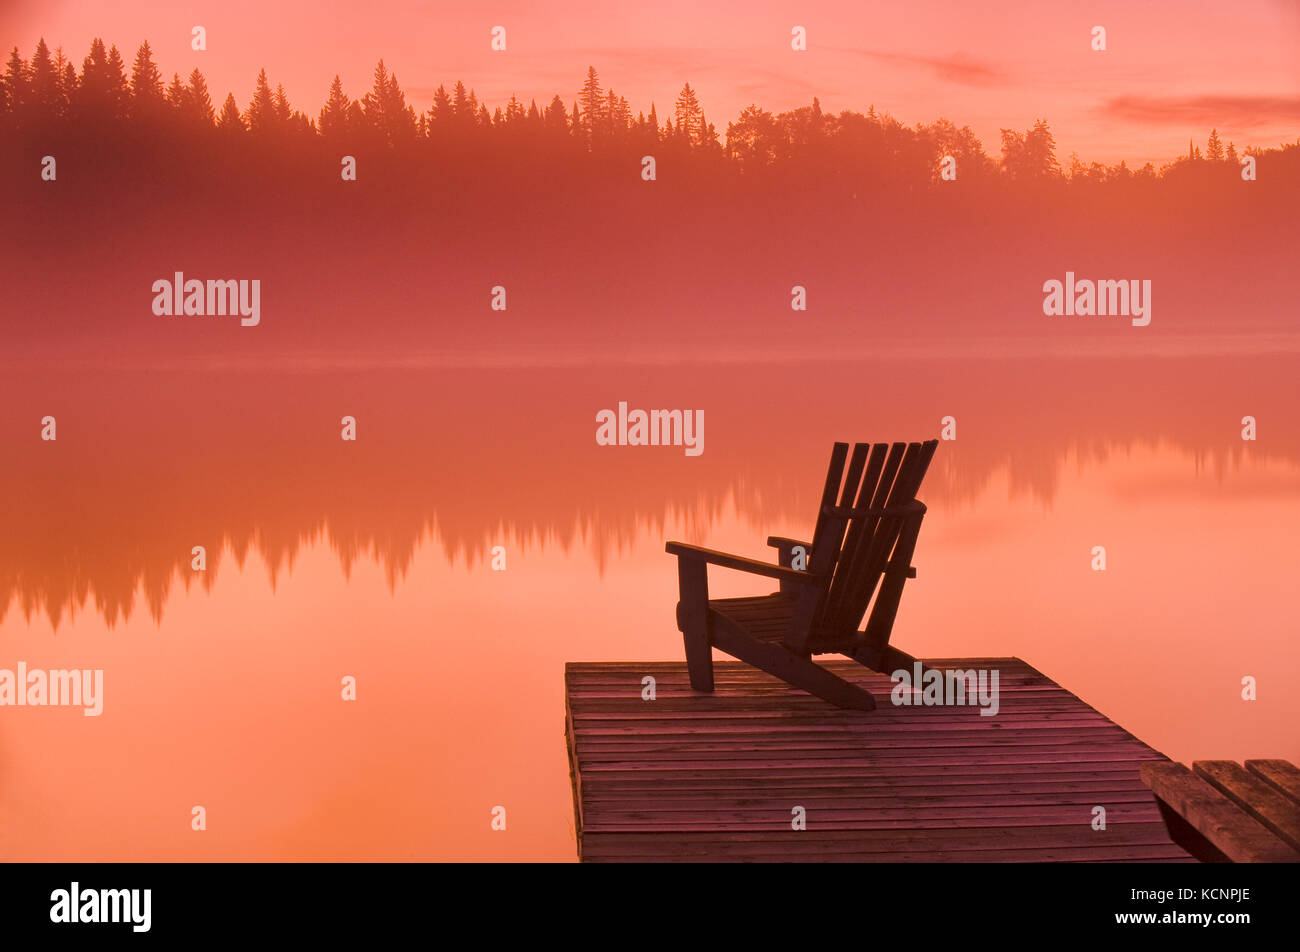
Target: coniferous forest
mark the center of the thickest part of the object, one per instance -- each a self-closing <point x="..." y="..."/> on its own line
<point x="156" y="175"/>
<point x="46" y="97"/>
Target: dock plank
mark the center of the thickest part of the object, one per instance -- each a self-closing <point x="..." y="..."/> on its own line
<point x="1267" y="805"/>
<point x="1281" y="774"/>
<point x="716" y="777"/>
<point x="1216" y="817"/>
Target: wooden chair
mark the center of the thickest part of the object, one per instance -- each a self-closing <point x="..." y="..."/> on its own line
<point x="861" y="546"/>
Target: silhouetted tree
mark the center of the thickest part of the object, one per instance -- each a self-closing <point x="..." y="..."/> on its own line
<point x="592" y="99"/>
<point x="753" y="139"/>
<point x="962" y="144"/>
<point x="687" y="113"/>
<point x="230" y="123"/>
<point x="386" y="110"/>
<point x="260" y="114"/>
<point x="1214" y="147"/>
<point x="333" y="122"/>
<point x="441" y="111"/>
<point x="147" y="98"/>
<point x="463" y="108"/>
<point x="119" y="93"/>
<point x="197" y="104"/>
<point x="43" y="84"/>
<point x="175" y="95"/>
<point x="15" y="84"/>
<point x="66" y="76"/>
<point x="1031" y="156"/>
<point x="95" y="99"/>
<point x="556" y="122"/>
<point x="280" y="107"/>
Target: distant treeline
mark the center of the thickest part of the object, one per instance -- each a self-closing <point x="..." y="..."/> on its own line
<point x="47" y="96"/>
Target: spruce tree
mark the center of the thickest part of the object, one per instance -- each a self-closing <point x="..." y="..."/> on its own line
<point x="333" y="122"/>
<point x="198" y="104"/>
<point x="147" y="99"/>
<point x="230" y="122"/>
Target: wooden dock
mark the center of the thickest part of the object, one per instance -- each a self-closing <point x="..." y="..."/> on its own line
<point x="1221" y="811"/>
<point x="696" y="777"/>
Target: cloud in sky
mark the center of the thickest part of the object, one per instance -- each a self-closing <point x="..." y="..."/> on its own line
<point x="1236" y="111"/>
<point x="954" y="67"/>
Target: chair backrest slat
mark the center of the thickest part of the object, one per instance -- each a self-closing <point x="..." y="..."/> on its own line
<point x="879" y="477"/>
<point x="839" y="452"/>
<point x="866" y="494"/>
<point x="861" y="566"/>
<point x="885" y="607"/>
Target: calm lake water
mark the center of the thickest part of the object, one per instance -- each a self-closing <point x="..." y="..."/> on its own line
<point x="371" y="559"/>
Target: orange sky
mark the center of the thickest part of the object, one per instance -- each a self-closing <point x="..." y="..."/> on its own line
<point x="1172" y="69"/>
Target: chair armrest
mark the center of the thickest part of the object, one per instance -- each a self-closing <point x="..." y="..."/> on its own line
<point x="911" y="569"/>
<point x="777" y="542"/>
<point x="740" y="563"/>
<point x="785" y="556"/>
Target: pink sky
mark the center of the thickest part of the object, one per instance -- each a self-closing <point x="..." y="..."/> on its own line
<point x="1172" y="69"/>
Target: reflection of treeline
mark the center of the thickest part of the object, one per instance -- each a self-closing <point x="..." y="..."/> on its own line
<point x="144" y="472"/>
<point x="45" y="96"/>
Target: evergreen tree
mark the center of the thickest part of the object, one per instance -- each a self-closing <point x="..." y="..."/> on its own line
<point x="593" y="102"/>
<point x="280" y="105"/>
<point x="386" y="110"/>
<point x="441" y="110"/>
<point x="1214" y="148"/>
<point x="197" y="102"/>
<point x="375" y="103"/>
<point x="617" y="115"/>
<point x="333" y="122"/>
<point x="688" y="114"/>
<point x="16" y="95"/>
<point x="400" y="118"/>
<point x="260" y="115"/>
<point x="356" y="118"/>
<point x="147" y="100"/>
<point x="43" y="83"/>
<point x="118" y="93"/>
<point x="176" y="93"/>
<point x="92" y="97"/>
<point x="556" y="121"/>
<point x="462" y="106"/>
<point x="230" y="122"/>
<point x="66" y="76"/>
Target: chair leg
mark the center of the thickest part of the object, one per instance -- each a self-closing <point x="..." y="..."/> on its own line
<point x="693" y="621"/>
<point x="887" y="660"/>
<point x="800" y="671"/>
<point x="699" y="658"/>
